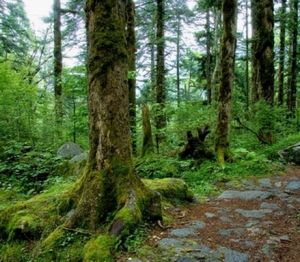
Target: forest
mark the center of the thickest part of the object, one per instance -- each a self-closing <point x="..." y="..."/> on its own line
<point x="150" y="130"/>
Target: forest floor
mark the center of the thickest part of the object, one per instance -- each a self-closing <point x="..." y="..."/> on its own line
<point x="256" y="220"/>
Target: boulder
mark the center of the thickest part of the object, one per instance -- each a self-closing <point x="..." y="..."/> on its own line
<point x="69" y="150"/>
<point x="291" y="153"/>
<point x="79" y="159"/>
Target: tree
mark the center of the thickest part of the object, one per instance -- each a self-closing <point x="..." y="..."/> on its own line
<point x="57" y="53"/>
<point x="281" y="53"/>
<point x="109" y="184"/>
<point x="228" y="46"/>
<point x="263" y="51"/>
<point x="292" y="80"/>
<point x="160" y="71"/>
<point x="131" y="43"/>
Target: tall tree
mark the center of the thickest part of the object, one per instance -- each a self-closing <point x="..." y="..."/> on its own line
<point x="282" y="53"/>
<point x="131" y="43"/>
<point x="228" y="47"/>
<point x="292" y="80"/>
<point x="160" y="71"/>
<point x="57" y="61"/>
<point x="247" y="53"/>
<point x="208" y="57"/>
<point x="263" y="51"/>
<point x="109" y="184"/>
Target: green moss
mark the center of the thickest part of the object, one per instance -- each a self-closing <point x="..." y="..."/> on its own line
<point x="99" y="249"/>
<point x="170" y="188"/>
<point x="13" y="252"/>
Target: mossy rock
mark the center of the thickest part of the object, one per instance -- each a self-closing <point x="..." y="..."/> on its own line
<point x="99" y="249"/>
<point x="172" y="189"/>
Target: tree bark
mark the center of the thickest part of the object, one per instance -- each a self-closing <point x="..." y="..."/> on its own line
<point x="228" y="47"/>
<point x="109" y="183"/>
<point x="247" y="55"/>
<point x="178" y="36"/>
<point x="292" y="81"/>
<point x="57" y="62"/>
<point x="148" y="146"/>
<point x="263" y="51"/>
<point x="131" y="43"/>
<point x="160" y="72"/>
<point x="208" y="57"/>
<point x="281" y="53"/>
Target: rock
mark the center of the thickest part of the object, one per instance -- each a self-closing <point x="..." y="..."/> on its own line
<point x="265" y="183"/>
<point x="253" y="213"/>
<point x="252" y="223"/>
<point x="183" y="232"/>
<point x="278" y="184"/>
<point x="186" y="259"/>
<point x="291" y="153"/>
<point x="245" y="195"/>
<point x="266" y="205"/>
<point x="79" y="158"/>
<point x="231" y="255"/>
<point x="293" y="185"/>
<point x="178" y="244"/>
<point x="266" y="249"/>
<point x="210" y="215"/>
<point x="231" y="231"/>
<point x="69" y="150"/>
<point x="197" y="224"/>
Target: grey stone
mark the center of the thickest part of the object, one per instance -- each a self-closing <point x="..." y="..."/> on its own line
<point x="231" y="231"/>
<point x="278" y="184"/>
<point x="245" y="195"/>
<point x="226" y="219"/>
<point x="178" y="244"/>
<point x="183" y="232"/>
<point x="69" y="150"/>
<point x="267" y="251"/>
<point x="134" y="260"/>
<point x="186" y="259"/>
<point x="197" y="224"/>
<point x="266" y="205"/>
<point x="291" y="153"/>
<point x="293" y="185"/>
<point x="252" y="223"/>
<point x="265" y="182"/>
<point x="231" y="255"/>
<point x="79" y="158"/>
<point x="253" y="213"/>
<point x="210" y="215"/>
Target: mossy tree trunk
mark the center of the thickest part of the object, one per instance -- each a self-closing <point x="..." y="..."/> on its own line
<point x="148" y="146"/>
<point x="292" y="81"/>
<point x="281" y="53"/>
<point x="131" y="43"/>
<point x="160" y="72"/>
<point x="57" y="53"/>
<point x="109" y="184"/>
<point x="208" y="57"/>
<point x="263" y="51"/>
<point x="228" y="47"/>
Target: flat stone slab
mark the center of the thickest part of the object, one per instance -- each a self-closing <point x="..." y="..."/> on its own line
<point x="245" y="195"/>
<point x="231" y="231"/>
<point x="253" y="213"/>
<point x="183" y="232"/>
<point x="178" y="244"/>
<point x="265" y="182"/>
<point x="293" y="185"/>
<point x="231" y="255"/>
<point x="266" y="205"/>
<point x="197" y="224"/>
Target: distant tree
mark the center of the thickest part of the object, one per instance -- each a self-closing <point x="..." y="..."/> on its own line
<point x="228" y="47"/>
<point x="292" y="80"/>
<point x="263" y="51"/>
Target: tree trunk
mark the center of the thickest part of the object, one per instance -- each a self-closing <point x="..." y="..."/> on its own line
<point x="109" y="184"/>
<point x="292" y="82"/>
<point x="160" y="72"/>
<point x="131" y="43"/>
<point x="247" y="55"/>
<point x="178" y="36"/>
<point x="208" y="58"/>
<point x="263" y="51"/>
<point x="281" y="53"/>
<point x="148" y="146"/>
<point x="57" y="62"/>
<point x="228" y="47"/>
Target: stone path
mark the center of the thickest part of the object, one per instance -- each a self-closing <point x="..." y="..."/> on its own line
<point x="259" y="221"/>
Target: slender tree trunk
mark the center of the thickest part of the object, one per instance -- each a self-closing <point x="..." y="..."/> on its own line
<point x="292" y="81"/>
<point x="160" y="72"/>
<point x="208" y="58"/>
<point x="247" y="55"/>
<point x="216" y="73"/>
<point x="148" y="146"/>
<point x="57" y="62"/>
<point x="228" y="47"/>
<point x="178" y="36"/>
<point x="131" y="47"/>
<point x="282" y="53"/>
<point x="263" y="50"/>
<point x="109" y="184"/>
